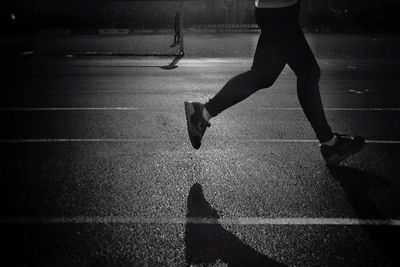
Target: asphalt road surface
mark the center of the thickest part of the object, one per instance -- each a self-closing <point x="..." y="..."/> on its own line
<point x="97" y="168"/>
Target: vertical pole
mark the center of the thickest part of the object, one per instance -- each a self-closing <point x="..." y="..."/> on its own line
<point x="181" y="35"/>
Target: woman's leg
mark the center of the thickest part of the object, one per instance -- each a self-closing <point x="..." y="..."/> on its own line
<point x="302" y="61"/>
<point x="268" y="63"/>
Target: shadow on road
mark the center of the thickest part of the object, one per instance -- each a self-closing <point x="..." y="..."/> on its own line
<point x="356" y="185"/>
<point x="207" y="242"/>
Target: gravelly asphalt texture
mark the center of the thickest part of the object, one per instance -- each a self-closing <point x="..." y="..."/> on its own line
<point x="97" y="169"/>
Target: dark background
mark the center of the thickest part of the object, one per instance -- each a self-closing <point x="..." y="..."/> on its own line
<point x="327" y="16"/>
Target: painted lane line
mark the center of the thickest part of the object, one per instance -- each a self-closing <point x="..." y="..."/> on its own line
<point x="111" y="140"/>
<point x="337" y="109"/>
<point x="185" y="91"/>
<point x="84" y="140"/>
<point x="383" y="142"/>
<point x="75" y="108"/>
<point x="87" y="140"/>
<point x="196" y="220"/>
<point x="8" y="109"/>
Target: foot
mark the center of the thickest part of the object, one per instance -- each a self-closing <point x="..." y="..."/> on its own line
<point x="196" y="124"/>
<point x="344" y="147"/>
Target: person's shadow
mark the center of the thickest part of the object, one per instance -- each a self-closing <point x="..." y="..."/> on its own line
<point x="356" y="185"/>
<point x="207" y="242"/>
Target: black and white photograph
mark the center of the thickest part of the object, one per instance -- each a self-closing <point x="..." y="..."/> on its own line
<point x="200" y="133"/>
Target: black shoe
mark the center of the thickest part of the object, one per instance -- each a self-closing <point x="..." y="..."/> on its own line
<point x="345" y="146"/>
<point x="196" y="124"/>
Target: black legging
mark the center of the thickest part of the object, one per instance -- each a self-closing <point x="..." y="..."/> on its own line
<point x="281" y="42"/>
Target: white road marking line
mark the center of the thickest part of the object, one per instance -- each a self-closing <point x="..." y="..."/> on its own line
<point x="383" y="142"/>
<point x="74" y="108"/>
<point x="195" y="220"/>
<point x="338" y="109"/>
<point x="111" y="140"/>
<point x="148" y="108"/>
<point x="83" y="140"/>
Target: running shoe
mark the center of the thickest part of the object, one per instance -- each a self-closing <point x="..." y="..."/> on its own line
<point x="196" y="124"/>
<point x="345" y="146"/>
